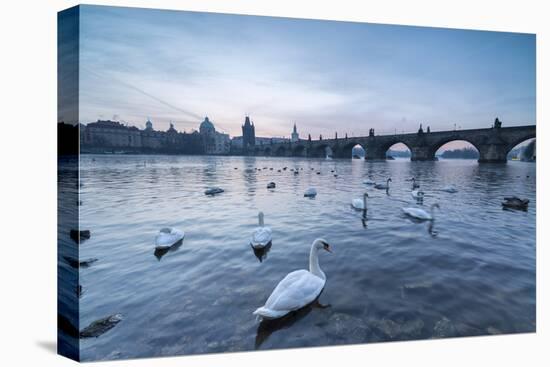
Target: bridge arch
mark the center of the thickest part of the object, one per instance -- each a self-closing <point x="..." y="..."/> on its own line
<point x="280" y="151"/>
<point x="464" y="149"/>
<point x="530" y="140"/>
<point x="346" y="150"/>
<point x="384" y="148"/>
<point x="515" y="142"/>
<point x="406" y="153"/>
<point x="299" y="150"/>
<point x="358" y="152"/>
<point x="321" y="150"/>
<point x="440" y="143"/>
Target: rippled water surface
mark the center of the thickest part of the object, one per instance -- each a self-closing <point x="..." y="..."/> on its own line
<point x="389" y="278"/>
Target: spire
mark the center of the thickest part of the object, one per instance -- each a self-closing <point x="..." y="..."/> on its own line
<point x="294" y="128"/>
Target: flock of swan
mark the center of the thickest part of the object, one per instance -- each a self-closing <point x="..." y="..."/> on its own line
<point x="301" y="287"/>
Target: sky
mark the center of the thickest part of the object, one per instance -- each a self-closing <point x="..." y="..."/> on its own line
<point x="325" y="76"/>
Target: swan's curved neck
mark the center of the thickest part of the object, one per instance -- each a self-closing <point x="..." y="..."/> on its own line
<point x="261" y="219"/>
<point x="314" y="267"/>
<point x="433" y="212"/>
<point x="365" y="202"/>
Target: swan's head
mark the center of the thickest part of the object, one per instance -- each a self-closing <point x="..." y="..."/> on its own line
<point x="366" y="195"/>
<point x="389" y="180"/>
<point x="321" y="244"/>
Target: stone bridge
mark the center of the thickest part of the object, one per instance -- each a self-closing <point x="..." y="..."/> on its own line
<point x="493" y="144"/>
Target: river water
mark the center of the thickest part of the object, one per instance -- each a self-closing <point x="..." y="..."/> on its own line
<point x="390" y="278"/>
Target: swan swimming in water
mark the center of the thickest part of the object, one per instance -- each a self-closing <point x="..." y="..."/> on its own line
<point x="167" y="237"/>
<point x="450" y="189"/>
<point x="360" y="204"/>
<point x="298" y="288"/>
<point x="385" y="186"/>
<point x="421" y="214"/>
<point x="310" y="193"/>
<point x="262" y="235"/>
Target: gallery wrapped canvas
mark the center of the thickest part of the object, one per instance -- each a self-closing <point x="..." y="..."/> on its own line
<point x="238" y="183"/>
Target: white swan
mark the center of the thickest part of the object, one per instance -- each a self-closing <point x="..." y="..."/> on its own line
<point x="297" y="289"/>
<point x="421" y="213"/>
<point x="168" y="237"/>
<point x="360" y="204"/>
<point x="311" y="192"/>
<point x="450" y="189"/>
<point x="417" y="194"/>
<point x="262" y="235"/>
<point x="385" y="186"/>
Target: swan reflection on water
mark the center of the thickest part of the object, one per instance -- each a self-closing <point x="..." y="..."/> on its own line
<point x="261" y="252"/>
<point x="161" y="251"/>
<point x="268" y="327"/>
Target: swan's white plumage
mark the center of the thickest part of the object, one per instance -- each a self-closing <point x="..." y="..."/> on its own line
<point x="418" y="213"/>
<point x="296" y="290"/>
<point x="450" y="189"/>
<point x="261" y="237"/>
<point x="369" y="182"/>
<point x="168" y="236"/>
<point x="358" y="204"/>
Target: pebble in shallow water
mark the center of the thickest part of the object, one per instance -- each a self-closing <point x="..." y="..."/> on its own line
<point x="444" y="328"/>
<point x="101" y="326"/>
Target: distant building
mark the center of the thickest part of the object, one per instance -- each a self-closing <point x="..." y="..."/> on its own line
<point x="110" y="134"/>
<point x="294" y="136"/>
<point x="214" y="142"/>
<point x="104" y="136"/>
<point x="148" y="125"/>
<point x="249" y="134"/>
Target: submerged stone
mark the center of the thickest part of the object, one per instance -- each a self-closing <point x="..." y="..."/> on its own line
<point x="444" y="328"/>
<point x="348" y="328"/>
<point x="101" y="326"/>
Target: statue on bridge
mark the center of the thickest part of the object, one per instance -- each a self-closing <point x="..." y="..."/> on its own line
<point x="420" y="130"/>
<point x="371" y="132"/>
<point x="497" y="124"/>
<point x="428" y="130"/>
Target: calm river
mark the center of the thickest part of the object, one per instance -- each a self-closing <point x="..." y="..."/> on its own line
<point x="388" y="279"/>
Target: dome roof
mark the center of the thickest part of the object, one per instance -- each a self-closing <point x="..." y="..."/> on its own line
<point x="206" y="124"/>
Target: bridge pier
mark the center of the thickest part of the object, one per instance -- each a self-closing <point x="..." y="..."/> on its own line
<point x="492" y="153"/>
<point x="422" y="153"/>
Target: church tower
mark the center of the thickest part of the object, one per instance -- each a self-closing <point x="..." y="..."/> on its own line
<point x="249" y="134"/>
<point x="294" y="137"/>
